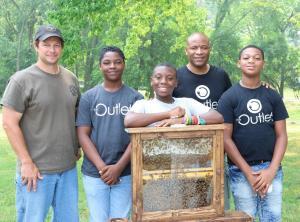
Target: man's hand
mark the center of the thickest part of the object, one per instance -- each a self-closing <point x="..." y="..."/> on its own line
<point x="267" y="85"/>
<point x="110" y="174"/>
<point x="252" y="177"/>
<point x="264" y="180"/>
<point x="29" y="175"/>
<point x="176" y="112"/>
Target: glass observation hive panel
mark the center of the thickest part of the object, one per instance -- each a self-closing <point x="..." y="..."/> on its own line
<point x="177" y="173"/>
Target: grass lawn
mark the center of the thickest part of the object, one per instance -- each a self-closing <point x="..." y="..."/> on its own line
<point x="291" y="162"/>
<point x="291" y="166"/>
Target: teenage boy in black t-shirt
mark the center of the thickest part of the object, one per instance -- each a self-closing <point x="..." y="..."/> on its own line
<point x="255" y="139"/>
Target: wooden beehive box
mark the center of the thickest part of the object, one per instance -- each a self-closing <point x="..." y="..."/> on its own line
<point x="177" y="173"/>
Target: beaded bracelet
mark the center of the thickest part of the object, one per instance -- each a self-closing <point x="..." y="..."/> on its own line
<point x="183" y="120"/>
<point x="188" y="120"/>
<point x="192" y="120"/>
<point x="195" y="120"/>
<point x="201" y="121"/>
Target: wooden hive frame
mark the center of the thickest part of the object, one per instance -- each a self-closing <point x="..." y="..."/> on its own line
<point x="215" y="209"/>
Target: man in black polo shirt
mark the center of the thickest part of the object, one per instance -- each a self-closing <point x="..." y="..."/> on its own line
<point x="198" y="79"/>
<point x="202" y="81"/>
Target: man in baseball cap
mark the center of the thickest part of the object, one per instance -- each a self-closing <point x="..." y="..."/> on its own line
<point x="39" y="105"/>
<point x="46" y="31"/>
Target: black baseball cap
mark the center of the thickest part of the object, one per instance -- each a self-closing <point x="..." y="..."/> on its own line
<point x="46" y="31"/>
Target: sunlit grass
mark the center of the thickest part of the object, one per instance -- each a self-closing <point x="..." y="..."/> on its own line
<point x="291" y="162"/>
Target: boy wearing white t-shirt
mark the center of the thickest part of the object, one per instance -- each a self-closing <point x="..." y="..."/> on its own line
<point x="165" y="110"/>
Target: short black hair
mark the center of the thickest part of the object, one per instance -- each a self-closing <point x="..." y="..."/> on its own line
<point x="252" y="46"/>
<point x="111" y="49"/>
<point x="168" y="65"/>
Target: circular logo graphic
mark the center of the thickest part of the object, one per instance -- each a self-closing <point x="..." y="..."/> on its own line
<point x="202" y="92"/>
<point x="254" y="106"/>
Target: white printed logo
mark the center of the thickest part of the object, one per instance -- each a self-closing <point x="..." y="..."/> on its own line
<point x="102" y="110"/>
<point x="254" y="106"/>
<point x="202" y="92"/>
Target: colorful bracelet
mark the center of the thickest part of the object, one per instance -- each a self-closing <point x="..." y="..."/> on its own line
<point x="201" y="121"/>
<point x="183" y="120"/>
<point x="195" y="120"/>
<point x="188" y="120"/>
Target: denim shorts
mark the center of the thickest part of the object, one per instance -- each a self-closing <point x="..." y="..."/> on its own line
<point x="267" y="209"/>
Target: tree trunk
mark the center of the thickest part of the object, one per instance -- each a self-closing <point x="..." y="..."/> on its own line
<point x="89" y="63"/>
<point x="20" y="42"/>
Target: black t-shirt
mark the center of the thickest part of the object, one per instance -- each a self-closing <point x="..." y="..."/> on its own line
<point x="253" y="113"/>
<point x="206" y="88"/>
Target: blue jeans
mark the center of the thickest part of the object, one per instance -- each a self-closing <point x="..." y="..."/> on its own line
<point x="59" y="190"/>
<point x="106" y="202"/>
<point x="268" y="209"/>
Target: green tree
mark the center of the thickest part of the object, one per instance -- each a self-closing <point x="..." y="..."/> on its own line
<point x="225" y="38"/>
<point x="273" y="36"/>
<point x="18" y="19"/>
<point x="149" y="32"/>
<point x="83" y="24"/>
<point x="273" y="25"/>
